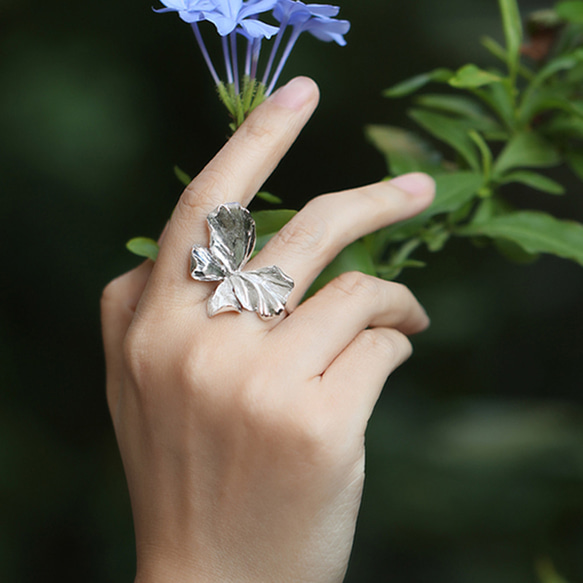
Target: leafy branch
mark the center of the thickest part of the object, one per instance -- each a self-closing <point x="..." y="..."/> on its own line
<point x="493" y="127"/>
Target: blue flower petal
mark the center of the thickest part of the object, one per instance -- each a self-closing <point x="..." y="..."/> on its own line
<point x="257" y="29"/>
<point x="328" y="29"/>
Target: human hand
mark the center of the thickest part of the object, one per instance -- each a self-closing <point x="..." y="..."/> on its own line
<point x="243" y="439"/>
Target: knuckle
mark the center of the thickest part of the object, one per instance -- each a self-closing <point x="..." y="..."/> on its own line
<point x="134" y="350"/>
<point x="257" y="129"/>
<point x="391" y="343"/>
<point x="203" y="192"/>
<point x="113" y="293"/>
<point x="354" y="283"/>
<point x="307" y="233"/>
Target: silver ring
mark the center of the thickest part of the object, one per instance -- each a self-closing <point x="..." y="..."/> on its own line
<point x="232" y="240"/>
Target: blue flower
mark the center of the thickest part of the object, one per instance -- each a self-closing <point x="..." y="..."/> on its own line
<point x="189" y="10"/>
<point x="294" y="12"/>
<point x="230" y="14"/>
<point x="316" y="19"/>
<point x="327" y="29"/>
<point x="313" y="18"/>
<point x="234" y="19"/>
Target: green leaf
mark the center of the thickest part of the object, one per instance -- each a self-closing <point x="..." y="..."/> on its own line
<point x="463" y="107"/>
<point x="556" y="65"/>
<point x="575" y="162"/>
<point x="545" y="100"/>
<point x="526" y="149"/>
<point x="497" y="97"/>
<point x="143" y="247"/>
<point x="485" y="152"/>
<point x="182" y="176"/>
<point x="534" y="180"/>
<point x="512" y="32"/>
<point x="268" y="223"/>
<point x="564" y="126"/>
<point x="453" y="132"/>
<point x="413" y="84"/>
<point x="404" y="151"/>
<point x="268" y="197"/>
<point x="535" y="232"/>
<point x="452" y="192"/>
<point x="355" y="257"/>
<point x="514" y="253"/>
<point x="546" y="570"/>
<point x="471" y="76"/>
<point x="571" y="11"/>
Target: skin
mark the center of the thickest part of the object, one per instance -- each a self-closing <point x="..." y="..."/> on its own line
<point x="243" y="439"/>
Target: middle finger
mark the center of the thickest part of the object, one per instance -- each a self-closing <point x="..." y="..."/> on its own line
<point x="327" y="224"/>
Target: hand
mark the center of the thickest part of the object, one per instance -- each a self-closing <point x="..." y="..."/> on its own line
<point x="243" y="439"/>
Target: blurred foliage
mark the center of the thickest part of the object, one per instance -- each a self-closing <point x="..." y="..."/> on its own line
<point x="474" y="452"/>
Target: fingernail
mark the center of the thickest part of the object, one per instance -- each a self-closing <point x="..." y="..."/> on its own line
<point x="295" y="94"/>
<point x="416" y="183"/>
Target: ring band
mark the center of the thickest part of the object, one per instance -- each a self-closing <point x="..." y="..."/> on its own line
<point x="232" y="240"/>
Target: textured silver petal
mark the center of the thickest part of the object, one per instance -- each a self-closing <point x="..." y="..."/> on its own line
<point x="223" y="300"/>
<point x="204" y="267"/>
<point x="232" y="235"/>
<point x="264" y="291"/>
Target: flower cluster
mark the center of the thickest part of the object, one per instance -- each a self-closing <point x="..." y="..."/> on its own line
<point x="238" y="23"/>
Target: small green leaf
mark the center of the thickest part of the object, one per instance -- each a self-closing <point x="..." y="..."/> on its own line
<point x="268" y="223"/>
<point x="459" y="106"/>
<point x="470" y="77"/>
<point x="453" y="132"/>
<point x="355" y="257"/>
<point x="268" y="197"/>
<point x="271" y="221"/>
<point x="534" y="180"/>
<point x="404" y="151"/>
<point x="526" y="149"/>
<point x="143" y="247"/>
<point x="571" y="11"/>
<point x="535" y="232"/>
<point x="182" y="176"/>
<point x="413" y="84"/>
<point x="512" y="32"/>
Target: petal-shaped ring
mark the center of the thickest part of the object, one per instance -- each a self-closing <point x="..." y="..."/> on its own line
<point x="232" y="240"/>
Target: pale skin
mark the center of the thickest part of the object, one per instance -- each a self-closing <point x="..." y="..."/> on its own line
<point x="243" y="439"/>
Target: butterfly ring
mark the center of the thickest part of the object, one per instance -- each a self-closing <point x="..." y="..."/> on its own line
<point x="232" y="240"/>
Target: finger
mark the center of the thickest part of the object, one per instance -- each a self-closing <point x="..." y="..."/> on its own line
<point x="118" y="305"/>
<point x="236" y="173"/>
<point x="357" y="376"/>
<point x="327" y="224"/>
<point x="333" y="318"/>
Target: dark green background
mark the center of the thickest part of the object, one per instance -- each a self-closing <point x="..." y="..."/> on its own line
<point x="475" y="453"/>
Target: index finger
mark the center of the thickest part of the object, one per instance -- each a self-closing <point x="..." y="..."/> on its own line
<point x="236" y="173"/>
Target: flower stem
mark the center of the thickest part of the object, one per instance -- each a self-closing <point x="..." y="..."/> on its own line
<point x="227" y="60"/>
<point x="276" y="44"/>
<point x="248" y="55"/>
<point x="255" y="57"/>
<point x="205" y="53"/>
<point x="234" y="60"/>
<point x="288" y="49"/>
